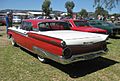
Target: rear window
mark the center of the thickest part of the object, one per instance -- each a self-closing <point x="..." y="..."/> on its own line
<point x="49" y="26"/>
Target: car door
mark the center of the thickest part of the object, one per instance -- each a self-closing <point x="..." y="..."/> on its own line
<point x="21" y="36"/>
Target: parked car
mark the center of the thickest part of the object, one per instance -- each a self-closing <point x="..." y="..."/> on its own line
<point x="83" y="25"/>
<point x="111" y="28"/>
<point x="117" y="24"/>
<point x="16" y="19"/>
<point x="53" y="39"/>
<point x="2" y="20"/>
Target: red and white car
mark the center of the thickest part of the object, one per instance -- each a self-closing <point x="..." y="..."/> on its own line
<point x="53" y="39"/>
<point x="82" y="25"/>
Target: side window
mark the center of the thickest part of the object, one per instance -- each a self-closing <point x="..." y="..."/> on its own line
<point x="59" y="26"/>
<point x="99" y="23"/>
<point x="22" y="25"/>
<point x="105" y="24"/>
<point x="44" y="26"/>
<point x="92" y="23"/>
<point x="68" y="23"/>
<point x="26" y="26"/>
<point x="29" y="26"/>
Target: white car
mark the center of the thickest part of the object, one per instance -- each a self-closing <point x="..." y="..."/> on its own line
<point x="16" y="19"/>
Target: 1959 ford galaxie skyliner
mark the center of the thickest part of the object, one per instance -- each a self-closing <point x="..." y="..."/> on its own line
<point x="52" y="39"/>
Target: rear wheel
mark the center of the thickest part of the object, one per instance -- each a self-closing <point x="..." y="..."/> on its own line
<point x="41" y="59"/>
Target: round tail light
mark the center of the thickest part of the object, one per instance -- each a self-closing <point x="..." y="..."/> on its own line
<point x="63" y="44"/>
<point x="67" y="53"/>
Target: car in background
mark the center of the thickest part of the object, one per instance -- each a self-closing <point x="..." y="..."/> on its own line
<point x="117" y="24"/>
<point x="17" y="19"/>
<point x="111" y="28"/>
<point x="40" y="17"/>
<point x="2" y="20"/>
<point x="53" y="39"/>
<point x="83" y="25"/>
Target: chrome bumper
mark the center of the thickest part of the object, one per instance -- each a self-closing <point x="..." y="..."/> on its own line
<point x="82" y="57"/>
<point x="74" y="58"/>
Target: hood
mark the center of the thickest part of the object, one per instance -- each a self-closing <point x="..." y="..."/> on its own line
<point x="75" y="37"/>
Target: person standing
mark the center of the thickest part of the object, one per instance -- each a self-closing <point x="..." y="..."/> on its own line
<point x="7" y="21"/>
<point x="9" y="18"/>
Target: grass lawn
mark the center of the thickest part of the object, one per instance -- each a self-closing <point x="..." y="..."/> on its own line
<point x="17" y="64"/>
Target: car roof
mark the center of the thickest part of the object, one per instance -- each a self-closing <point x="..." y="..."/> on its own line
<point x="41" y="20"/>
<point x="74" y="20"/>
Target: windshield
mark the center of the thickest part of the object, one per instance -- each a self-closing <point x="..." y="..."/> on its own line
<point x="49" y="26"/>
<point x="101" y="23"/>
<point x="81" y="23"/>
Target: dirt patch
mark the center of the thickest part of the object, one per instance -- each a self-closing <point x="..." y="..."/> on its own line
<point x="3" y="37"/>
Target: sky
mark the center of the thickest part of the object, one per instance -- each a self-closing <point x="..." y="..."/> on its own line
<point x="55" y="4"/>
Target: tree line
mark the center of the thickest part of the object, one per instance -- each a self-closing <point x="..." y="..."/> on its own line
<point x="69" y="5"/>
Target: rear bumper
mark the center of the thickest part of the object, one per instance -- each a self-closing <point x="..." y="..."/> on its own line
<point x="74" y="58"/>
<point x="83" y="57"/>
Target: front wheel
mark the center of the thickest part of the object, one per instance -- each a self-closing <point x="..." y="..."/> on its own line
<point x="13" y="41"/>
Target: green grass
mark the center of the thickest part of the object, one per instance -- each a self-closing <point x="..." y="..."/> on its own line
<point x="17" y="64"/>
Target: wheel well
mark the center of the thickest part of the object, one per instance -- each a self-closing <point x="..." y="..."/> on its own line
<point x="9" y="36"/>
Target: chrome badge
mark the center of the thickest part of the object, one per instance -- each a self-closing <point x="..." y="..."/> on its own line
<point x="87" y="43"/>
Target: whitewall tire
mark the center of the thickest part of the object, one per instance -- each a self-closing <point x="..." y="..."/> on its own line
<point x="41" y="59"/>
<point x="13" y="41"/>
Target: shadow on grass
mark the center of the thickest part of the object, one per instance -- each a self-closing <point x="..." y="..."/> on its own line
<point x="28" y="52"/>
<point x="109" y="43"/>
<point x="115" y="37"/>
<point x="1" y="35"/>
<point x="81" y="68"/>
<point x="2" y="29"/>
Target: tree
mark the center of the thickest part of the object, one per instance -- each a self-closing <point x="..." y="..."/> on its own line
<point x="100" y="11"/>
<point x="69" y="5"/>
<point x="83" y="13"/>
<point x="46" y="7"/>
<point x="109" y="4"/>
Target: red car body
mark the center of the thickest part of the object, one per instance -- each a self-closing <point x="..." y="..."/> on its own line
<point x="61" y="45"/>
<point x="41" y="40"/>
<point x="2" y="20"/>
<point x="82" y="25"/>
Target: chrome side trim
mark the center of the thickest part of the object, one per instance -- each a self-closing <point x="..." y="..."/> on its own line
<point x="74" y="58"/>
<point x="39" y="51"/>
<point x="45" y="54"/>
